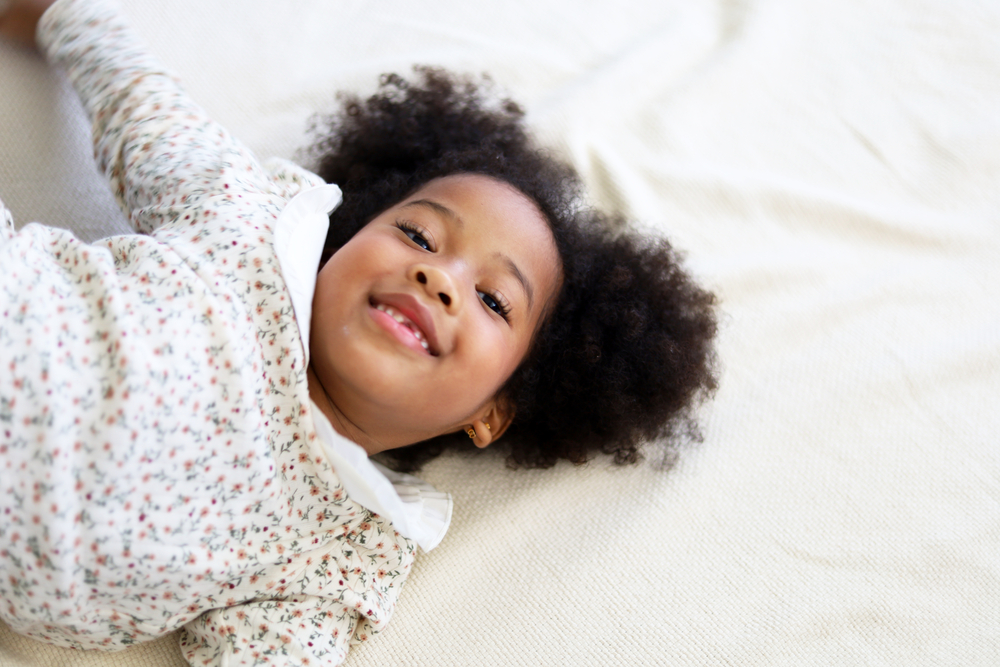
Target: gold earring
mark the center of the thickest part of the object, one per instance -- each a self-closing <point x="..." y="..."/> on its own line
<point x="487" y="425"/>
<point x="471" y="432"/>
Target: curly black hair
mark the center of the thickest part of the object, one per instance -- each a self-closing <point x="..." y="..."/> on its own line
<point x="625" y="353"/>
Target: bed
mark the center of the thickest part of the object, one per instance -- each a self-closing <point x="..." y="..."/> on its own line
<point x="832" y="171"/>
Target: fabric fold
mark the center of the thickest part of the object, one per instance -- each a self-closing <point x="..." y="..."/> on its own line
<point x="415" y="508"/>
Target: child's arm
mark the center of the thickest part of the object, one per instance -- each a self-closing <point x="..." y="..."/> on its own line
<point x="298" y="630"/>
<point x="161" y="153"/>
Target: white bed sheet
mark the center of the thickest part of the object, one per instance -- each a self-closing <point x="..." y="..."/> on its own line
<point x="832" y="169"/>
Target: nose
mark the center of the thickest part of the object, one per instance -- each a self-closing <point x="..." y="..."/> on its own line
<point x="439" y="284"/>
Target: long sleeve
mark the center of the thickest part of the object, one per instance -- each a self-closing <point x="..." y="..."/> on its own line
<point x="168" y="473"/>
<point x="162" y="154"/>
<point x="296" y="631"/>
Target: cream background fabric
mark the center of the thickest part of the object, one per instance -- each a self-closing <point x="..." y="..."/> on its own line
<point x="832" y="169"/>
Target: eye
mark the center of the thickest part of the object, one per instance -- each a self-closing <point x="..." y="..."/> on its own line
<point x="495" y="304"/>
<point x="415" y="234"/>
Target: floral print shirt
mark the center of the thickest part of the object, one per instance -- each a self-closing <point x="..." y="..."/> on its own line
<point x="159" y="461"/>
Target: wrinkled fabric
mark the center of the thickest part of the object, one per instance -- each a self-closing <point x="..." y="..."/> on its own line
<point x="159" y="465"/>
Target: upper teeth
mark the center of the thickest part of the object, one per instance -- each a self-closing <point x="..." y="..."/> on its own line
<point x="402" y="319"/>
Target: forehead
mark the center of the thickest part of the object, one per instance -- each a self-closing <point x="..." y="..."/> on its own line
<point x="485" y="201"/>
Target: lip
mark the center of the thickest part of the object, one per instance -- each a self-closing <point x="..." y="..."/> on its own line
<point x="411" y="308"/>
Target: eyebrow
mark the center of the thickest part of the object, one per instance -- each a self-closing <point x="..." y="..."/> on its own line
<point x="507" y="261"/>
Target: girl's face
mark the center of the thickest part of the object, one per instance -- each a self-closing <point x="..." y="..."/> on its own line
<point x="423" y="315"/>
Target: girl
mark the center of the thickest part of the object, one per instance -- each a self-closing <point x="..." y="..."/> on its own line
<point x="186" y="414"/>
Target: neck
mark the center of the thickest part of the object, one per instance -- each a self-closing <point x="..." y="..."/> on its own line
<point x="340" y="422"/>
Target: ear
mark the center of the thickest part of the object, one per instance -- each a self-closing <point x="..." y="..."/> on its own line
<point x="490" y="422"/>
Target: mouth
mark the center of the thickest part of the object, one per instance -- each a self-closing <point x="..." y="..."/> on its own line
<point x="408" y="321"/>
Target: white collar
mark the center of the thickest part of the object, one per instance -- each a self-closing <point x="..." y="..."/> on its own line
<point x="299" y="235"/>
<point x="414" y="508"/>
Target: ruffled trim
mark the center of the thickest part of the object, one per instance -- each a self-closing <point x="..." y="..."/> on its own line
<point x="415" y="508"/>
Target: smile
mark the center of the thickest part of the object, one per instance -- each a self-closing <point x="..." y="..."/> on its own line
<point x="402" y="327"/>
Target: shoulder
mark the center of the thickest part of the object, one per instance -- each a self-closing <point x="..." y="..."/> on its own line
<point x="289" y="178"/>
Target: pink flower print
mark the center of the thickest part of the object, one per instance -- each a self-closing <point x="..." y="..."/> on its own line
<point x="259" y="444"/>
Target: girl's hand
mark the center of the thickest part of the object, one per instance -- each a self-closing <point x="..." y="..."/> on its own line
<point x="19" y="18"/>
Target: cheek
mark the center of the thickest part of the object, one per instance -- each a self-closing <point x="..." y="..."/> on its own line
<point x="347" y="261"/>
<point x="494" y="358"/>
<point x="339" y="285"/>
<point x="325" y="303"/>
<point x="353" y="268"/>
